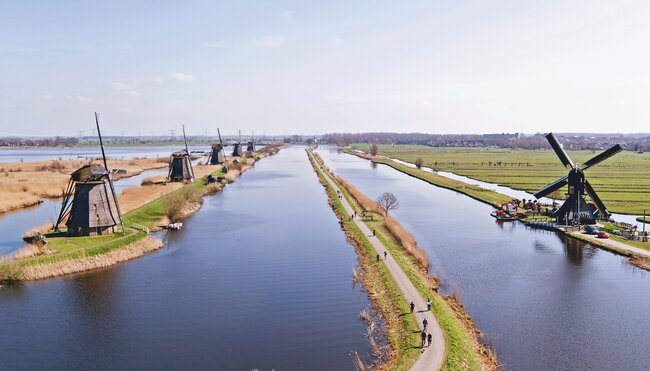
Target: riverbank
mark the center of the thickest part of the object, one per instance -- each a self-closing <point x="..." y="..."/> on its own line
<point x="464" y="349"/>
<point x="621" y="181"/>
<point x="635" y="253"/>
<point x="145" y="211"/>
<point x="480" y="194"/>
<point x="25" y="184"/>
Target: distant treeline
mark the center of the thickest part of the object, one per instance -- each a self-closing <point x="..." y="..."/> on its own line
<point x="39" y="142"/>
<point x="536" y="141"/>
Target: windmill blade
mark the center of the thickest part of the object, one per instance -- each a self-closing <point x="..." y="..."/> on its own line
<point x="220" y="141"/>
<point x="552" y="187"/>
<point x="108" y="174"/>
<point x="603" y="156"/>
<point x="559" y="151"/>
<point x="599" y="203"/>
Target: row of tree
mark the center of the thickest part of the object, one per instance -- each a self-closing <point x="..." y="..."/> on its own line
<point x="637" y="143"/>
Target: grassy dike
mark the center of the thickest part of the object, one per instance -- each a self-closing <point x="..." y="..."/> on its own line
<point x="72" y="255"/>
<point x="464" y="351"/>
<point x="483" y="195"/>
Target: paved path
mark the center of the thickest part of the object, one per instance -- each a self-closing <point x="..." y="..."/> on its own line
<point x="432" y="357"/>
<point x="617" y="244"/>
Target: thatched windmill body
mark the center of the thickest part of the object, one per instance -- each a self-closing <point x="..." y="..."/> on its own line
<point x="251" y="144"/>
<point x="217" y="157"/>
<point x="89" y="200"/>
<point x="237" y="150"/>
<point x="180" y="165"/>
<point x="575" y="208"/>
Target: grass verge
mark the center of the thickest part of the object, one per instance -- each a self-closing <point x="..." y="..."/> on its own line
<point x="464" y="351"/>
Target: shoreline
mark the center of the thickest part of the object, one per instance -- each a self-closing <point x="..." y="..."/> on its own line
<point x="114" y="251"/>
<point x="461" y="334"/>
<point x="633" y="258"/>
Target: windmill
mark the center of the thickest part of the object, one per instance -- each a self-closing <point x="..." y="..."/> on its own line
<point x="251" y="143"/>
<point x="86" y="207"/>
<point x="236" y="148"/>
<point x="217" y="156"/>
<point x="180" y="165"/>
<point x="575" y="207"/>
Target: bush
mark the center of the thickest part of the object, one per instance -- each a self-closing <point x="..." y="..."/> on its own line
<point x="176" y="203"/>
<point x="374" y="149"/>
<point x="418" y="162"/>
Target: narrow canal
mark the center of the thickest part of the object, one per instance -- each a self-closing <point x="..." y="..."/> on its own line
<point x="260" y="277"/>
<point x="545" y="302"/>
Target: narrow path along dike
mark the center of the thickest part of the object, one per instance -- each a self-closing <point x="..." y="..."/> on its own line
<point x="433" y="357"/>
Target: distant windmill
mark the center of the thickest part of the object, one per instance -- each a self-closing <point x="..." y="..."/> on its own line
<point x="180" y="165"/>
<point x="86" y="207"/>
<point x="217" y="156"/>
<point x="237" y="150"/>
<point x="575" y="207"/>
<point x="251" y="143"/>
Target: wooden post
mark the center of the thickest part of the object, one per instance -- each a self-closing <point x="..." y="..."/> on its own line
<point x="645" y="238"/>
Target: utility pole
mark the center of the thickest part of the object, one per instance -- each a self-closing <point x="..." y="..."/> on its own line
<point x="171" y="133"/>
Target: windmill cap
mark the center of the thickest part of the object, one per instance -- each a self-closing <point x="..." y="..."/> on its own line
<point x="89" y="173"/>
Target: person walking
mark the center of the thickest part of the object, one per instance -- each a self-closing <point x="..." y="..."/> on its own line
<point x="429" y="304"/>
<point x="412" y="307"/>
<point x="424" y="324"/>
<point x="385" y="254"/>
<point x="429" y="338"/>
<point x="373" y="232"/>
<point x="424" y="340"/>
<point x="377" y="257"/>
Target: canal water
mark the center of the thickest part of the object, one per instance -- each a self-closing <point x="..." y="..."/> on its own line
<point x="544" y="302"/>
<point x="260" y="277"/>
<point x="14" y="224"/>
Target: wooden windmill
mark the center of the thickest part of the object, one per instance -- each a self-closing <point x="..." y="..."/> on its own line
<point x="575" y="208"/>
<point x="237" y="150"/>
<point x="217" y="157"/>
<point x="251" y="144"/>
<point x="180" y="165"/>
<point x="89" y="199"/>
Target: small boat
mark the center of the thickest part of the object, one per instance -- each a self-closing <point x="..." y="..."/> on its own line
<point x="173" y="226"/>
<point x="503" y="216"/>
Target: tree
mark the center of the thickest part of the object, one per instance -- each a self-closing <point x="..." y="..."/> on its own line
<point x="374" y="149"/>
<point x="388" y="201"/>
<point x="418" y="162"/>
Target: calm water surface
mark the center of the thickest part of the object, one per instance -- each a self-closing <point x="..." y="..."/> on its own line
<point x="260" y="277"/>
<point x="14" y="224"/>
<point x="545" y="302"/>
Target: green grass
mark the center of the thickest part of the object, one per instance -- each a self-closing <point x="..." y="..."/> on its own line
<point x="621" y="181"/>
<point x="460" y="354"/>
<point x="66" y="248"/>
<point x="478" y="193"/>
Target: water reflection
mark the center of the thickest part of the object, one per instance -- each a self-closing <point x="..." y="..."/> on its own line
<point x="547" y="302"/>
<point x="258" y="278"/>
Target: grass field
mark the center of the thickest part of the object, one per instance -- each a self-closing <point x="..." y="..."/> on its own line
<point x="623" y="181"/>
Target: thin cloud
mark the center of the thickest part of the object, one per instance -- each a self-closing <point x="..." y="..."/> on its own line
<point x="268" y="41"/>
<point x="126" y="88"/>
<point x="287" y="14"/>
<point x="183" y="77"/>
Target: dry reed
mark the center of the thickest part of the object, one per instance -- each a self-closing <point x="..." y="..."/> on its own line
<point x="364" y="201"/>
<point x="59" y="268"/>
<point x="407" y="240"/>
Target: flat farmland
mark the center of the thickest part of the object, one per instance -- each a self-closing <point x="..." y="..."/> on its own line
<point x="623" y="181"/>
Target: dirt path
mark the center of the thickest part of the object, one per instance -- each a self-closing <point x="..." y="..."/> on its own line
<point x="432" y="357"/>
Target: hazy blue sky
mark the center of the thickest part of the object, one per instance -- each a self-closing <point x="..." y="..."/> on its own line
<point x="314" y="67"/>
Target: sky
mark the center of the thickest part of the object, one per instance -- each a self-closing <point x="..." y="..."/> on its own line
<point x="314" y="67"/>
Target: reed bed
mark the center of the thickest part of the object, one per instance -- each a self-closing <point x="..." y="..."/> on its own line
<point x="63" y="267"/>
<point x="407" y="240"/>
<point x="364" y="201"/>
